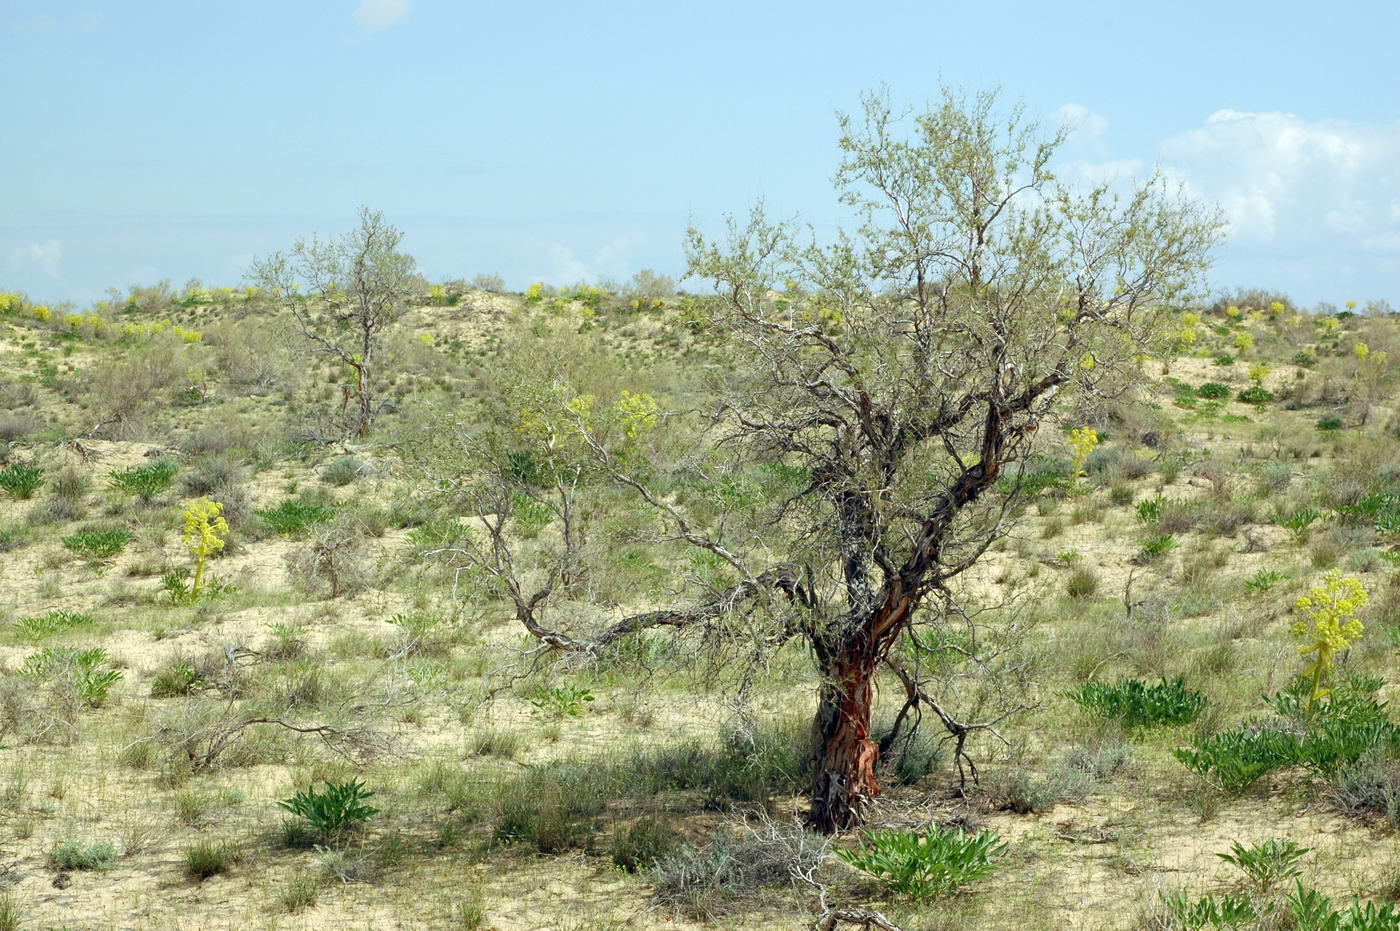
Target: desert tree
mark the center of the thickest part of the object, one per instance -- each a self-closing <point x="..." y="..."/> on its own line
<point x="345" y="293"/>
<point x="892" y="380"/>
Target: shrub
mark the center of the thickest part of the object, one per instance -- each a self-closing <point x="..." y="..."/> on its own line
<point x="175" y="679"/>
<point x="1369" y="787"/>
<point x="342" y="471"/>
<point x="1328" y="424"/>
<point x="1155" y="548"/>
<point x="339" y="808"/>
<point x="293" y="516"/>
<point x="334" y="561"/>
<point x="21" y="481"/>
<point x="926" y="865"/>
<point x="1083" y="582"/>
<point x="1224" y="359"/>
<point x="699" y="882"/>
<point x="207" y="858"/>
<point x="145" y="482"/>
<point x="1214" y="390"/>
<point x="1137" y="704"/>
<point x="1024" y="794"/>
<point x="641" y="844"/>
<point x="1256" y="396"/>
<point x="72" y="854"/>
<point x="97" y="545"/>
<point x="71" y="486"/>
<point x="552" y="809"/>
<point x="704" y="882"/>
<point x="86" y="670"/>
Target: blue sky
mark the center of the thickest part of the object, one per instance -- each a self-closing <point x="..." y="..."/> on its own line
<point x="567" y="141"/>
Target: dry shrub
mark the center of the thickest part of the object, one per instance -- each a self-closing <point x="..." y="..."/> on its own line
<point x="255" y="354"/>
<point x="127" y="391"/>
<point x="17" y="426"/>
<point x="335" y="562"/>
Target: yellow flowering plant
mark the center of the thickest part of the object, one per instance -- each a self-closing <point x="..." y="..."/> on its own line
<point x="1082" y="441"/>
<point x="1328" y="627"/>
<point x="205" y="534"/>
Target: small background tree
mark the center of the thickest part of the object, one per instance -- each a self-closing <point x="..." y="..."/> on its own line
<point x="345" y="293"/>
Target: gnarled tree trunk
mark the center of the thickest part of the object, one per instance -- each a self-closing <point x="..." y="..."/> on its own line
<point x="843" y="784"/>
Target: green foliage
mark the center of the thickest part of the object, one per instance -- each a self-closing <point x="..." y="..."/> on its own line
<point x="1041" y="475"/>
<point x="293" y="516"/>
<point x="1329" y="424"/>
<point x="1224" y="359"/>
<point x="439" y="534"/>
<point x="176" y="679"/>
<point x="560" y="701"/>
<point x="87" y="670"/>
<point x="1231" y="910"/>
<point x="43" y="626"/>
<point x="1214" y="391"/>
<point x="207" y="858"/>
<point x="1137" y="704"/>
<point x="341" y="472"/>
<point x="1299" y="522"/>
<point x="1149" y="510"/>
<point x="1156" y="547"/>
<point x="1267" y="863"/>
<point x="1381" y="511"/>
<point x="926" y="865"/>
<point x="69" y="854"/>
<point x="1304" y="359"/>
<point x="97" y="545"/>
<point x="1256" y="396"/>
<point x="531" y="514"/>
<point x="145" y="482"/>
<point x="12" y="912"/>
<point x="1083" y="582"/>
<point x="333" y="811"/>
<point x="1313" y="911"/>
<point x="1263" y="580"/>
<point x="1324" y="739"/>
<point x="21" y="481"/>
<point x="642" y="843"/>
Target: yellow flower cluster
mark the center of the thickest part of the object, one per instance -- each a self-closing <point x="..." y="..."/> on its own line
<point x="205" y="533"/>
<point x="1083" y="441"/>
<point x="636" y="412"/>
<point x="1330" y="625"/>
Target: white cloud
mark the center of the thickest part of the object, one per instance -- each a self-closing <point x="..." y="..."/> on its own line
<point x="378" y="15"/>
<point x="41" y="256"/>
<point x="1085" y="127"/>
<point x="613" y="259"/>
<point x="1283" y="180"/>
